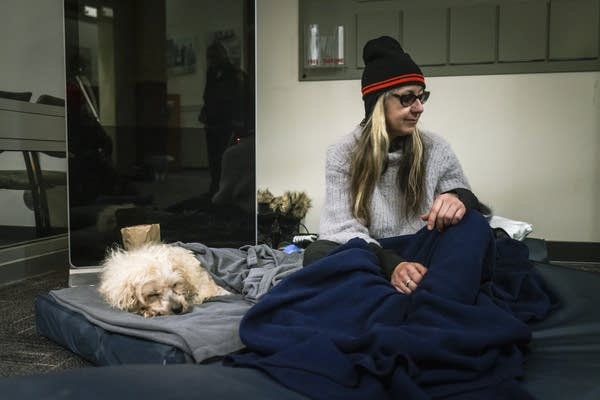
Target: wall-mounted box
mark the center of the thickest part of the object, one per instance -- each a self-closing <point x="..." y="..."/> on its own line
<point x="425" y="34"/>
<point x="324" y="46"/>
<point x="522" y="31"/>
<point x="374" y="24"/>
<point x="472" y="34"/>
<point x="463" y="37"/>
<point x="574" y="29"/>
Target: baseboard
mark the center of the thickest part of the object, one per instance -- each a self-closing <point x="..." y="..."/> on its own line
<point x="33" y="258"/>
<point x="84" y="276"/>
<point x="586" y="252"/>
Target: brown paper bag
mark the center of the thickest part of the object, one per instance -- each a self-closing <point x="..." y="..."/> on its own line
<point x="135" y="236"/>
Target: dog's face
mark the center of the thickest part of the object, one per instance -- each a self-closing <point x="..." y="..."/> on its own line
<point x="154" y="280"/>
<point x="165" y="292"/>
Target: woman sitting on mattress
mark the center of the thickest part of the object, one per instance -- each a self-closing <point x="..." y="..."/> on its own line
<point x="398" y="209"/>
<point x="454" y="323"/>
<point x="388" y="178"/>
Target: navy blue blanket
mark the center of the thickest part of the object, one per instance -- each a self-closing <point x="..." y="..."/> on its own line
<point x="337" y="329"/>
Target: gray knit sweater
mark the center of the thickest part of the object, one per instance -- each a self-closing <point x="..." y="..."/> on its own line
<point x="443" y="173"/>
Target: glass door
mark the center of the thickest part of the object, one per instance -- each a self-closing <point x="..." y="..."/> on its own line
<point x="160" y="122"/>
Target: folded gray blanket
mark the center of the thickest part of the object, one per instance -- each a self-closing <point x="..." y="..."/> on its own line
<point x="211" y="329"/>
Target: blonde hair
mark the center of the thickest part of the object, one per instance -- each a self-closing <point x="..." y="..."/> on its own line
<point x="369" y="161"/>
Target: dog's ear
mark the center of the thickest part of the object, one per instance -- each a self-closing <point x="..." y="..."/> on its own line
<point x="187" y="265"/>
<point x="128" y="300"/>
<point x="123" y="297"/>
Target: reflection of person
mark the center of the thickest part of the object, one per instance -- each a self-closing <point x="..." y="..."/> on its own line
<point x="237" y="183"/>
<point x="222" y="112"/>
<point x="90" y="171"/>
<point x="387" y="177"/>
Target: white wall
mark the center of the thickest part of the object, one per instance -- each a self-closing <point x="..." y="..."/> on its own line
<point x="530" y="144"/>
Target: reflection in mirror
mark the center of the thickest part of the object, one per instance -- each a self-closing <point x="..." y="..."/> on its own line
<point x="160" y="121"/>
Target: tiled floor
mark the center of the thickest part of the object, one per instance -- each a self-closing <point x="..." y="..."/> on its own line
<point x="22" y="350"/>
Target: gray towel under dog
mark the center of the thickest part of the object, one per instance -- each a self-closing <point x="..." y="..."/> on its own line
<point x="211" y="329"/>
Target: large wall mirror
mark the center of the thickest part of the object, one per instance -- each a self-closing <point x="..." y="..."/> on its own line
<point x="160" y="122"/>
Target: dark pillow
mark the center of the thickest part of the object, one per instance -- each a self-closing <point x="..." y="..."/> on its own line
<point x="19" y="96"/>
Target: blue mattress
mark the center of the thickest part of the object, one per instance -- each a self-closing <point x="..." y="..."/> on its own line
<point x="97" y="345"/>
<point x="563" y="362"/>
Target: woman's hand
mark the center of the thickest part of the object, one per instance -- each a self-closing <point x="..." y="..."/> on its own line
<point x="446" y="210"/>
<point x="407" y="276"/>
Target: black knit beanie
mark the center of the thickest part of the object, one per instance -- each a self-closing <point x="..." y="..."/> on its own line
<point x="387" y="66"/>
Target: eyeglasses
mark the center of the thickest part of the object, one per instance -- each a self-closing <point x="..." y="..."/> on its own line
<point x="408" y="99"/>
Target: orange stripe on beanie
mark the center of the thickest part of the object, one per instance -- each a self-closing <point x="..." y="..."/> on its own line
<point x="387" y="66"/>
<point x="394" y="82"/>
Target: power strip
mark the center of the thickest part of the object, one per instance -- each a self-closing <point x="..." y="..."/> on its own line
<point x="304" y="240"/>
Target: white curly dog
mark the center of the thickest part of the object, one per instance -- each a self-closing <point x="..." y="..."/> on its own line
<point x="155" y="279"/>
